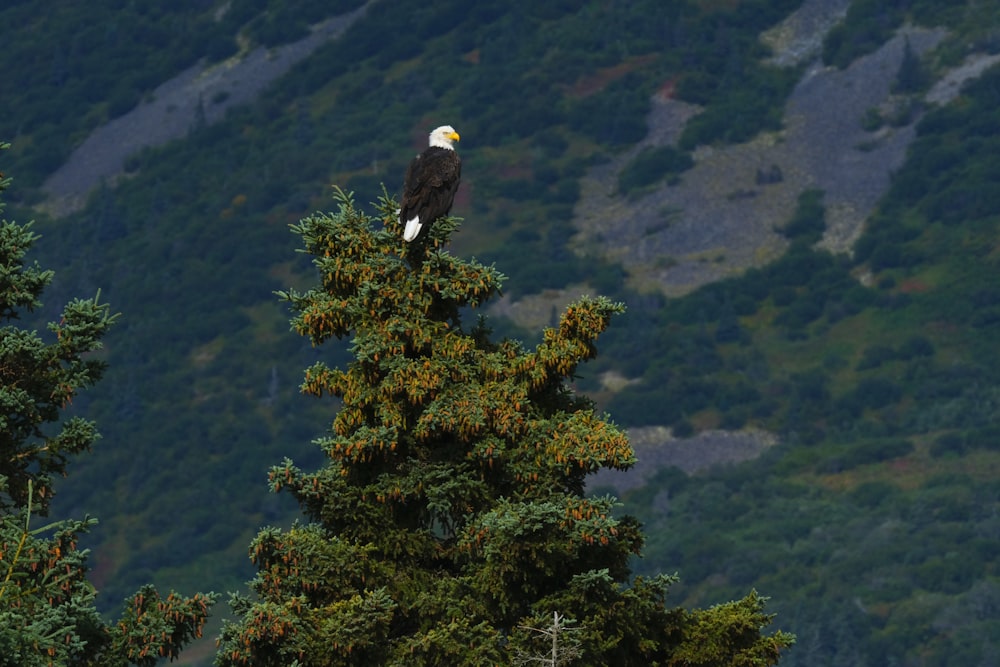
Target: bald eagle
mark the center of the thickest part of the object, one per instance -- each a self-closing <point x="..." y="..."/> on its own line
<point x="430" y="184"/>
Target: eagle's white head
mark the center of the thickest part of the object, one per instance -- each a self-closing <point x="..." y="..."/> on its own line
<point x="444" y="136"/>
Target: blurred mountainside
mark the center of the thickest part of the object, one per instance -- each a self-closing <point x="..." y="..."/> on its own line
<point x="798" y="200"/>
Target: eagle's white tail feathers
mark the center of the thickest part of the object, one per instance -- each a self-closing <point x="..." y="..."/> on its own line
<point x="412" y="229"/>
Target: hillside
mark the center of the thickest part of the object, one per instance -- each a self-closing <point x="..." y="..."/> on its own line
<point x="794" y="198"/>
<point x="720" y="218"/>
<point x="200" y="95"/>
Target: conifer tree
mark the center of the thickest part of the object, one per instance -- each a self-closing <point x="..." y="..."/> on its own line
<point x="450" y="517"/>
<point x="47" y="612"/>
<point x="911" y="76"/>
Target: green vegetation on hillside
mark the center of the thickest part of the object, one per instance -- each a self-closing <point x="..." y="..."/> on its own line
<point x="651" y="166"/>
<point x="882" y="563"/>
<point x="873" y="524"/>
<point x="752" y="349"/>
<point x="878" y="370"/>
<point x="870" y="23"/>
<point x="99" y="60"/>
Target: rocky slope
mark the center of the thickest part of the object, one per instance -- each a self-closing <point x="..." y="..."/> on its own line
<point x="200" y="94"/>
<point x="720" y="219"/>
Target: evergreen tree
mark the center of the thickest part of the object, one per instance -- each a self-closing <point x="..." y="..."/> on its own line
<point x="450" y="519"/>
<point x="912" y="76"/>
<point x="47" y="613"/>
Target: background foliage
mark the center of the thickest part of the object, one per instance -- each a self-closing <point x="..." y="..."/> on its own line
<point x="883" y="390"/>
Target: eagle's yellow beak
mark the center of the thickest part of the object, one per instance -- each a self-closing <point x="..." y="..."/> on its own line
<point x="454" y="136"/>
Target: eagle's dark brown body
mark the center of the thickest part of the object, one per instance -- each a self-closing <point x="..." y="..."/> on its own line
<point x="431" y="183"/>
